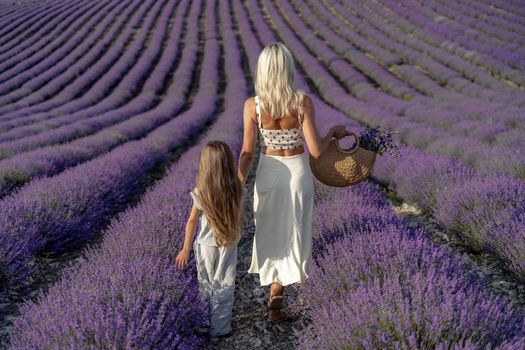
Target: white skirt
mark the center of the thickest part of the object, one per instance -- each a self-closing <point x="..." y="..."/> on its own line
<point x="283" y="209"/>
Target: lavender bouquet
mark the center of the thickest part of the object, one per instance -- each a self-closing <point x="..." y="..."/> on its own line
<point x="378" y="141"/>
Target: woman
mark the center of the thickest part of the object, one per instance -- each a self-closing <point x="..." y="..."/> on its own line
<point x="283" y="197"/>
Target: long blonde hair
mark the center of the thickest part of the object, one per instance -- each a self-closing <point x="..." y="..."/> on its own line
<point x="220" y="192"/>
<point x="274" y="80"/>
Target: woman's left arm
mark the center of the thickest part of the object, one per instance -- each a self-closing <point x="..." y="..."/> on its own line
<point x="247" y="154"/>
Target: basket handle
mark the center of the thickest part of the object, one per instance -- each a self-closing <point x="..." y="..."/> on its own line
<point x="350" y="151"/>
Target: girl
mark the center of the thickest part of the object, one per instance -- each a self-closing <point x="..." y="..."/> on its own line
<point x="219" y="196"/>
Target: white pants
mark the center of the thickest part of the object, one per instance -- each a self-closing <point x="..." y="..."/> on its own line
<point x="216" y="270"/>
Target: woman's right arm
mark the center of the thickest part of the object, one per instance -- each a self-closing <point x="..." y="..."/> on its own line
<point x="247" y="154"/>
<point x="317" y="145"/>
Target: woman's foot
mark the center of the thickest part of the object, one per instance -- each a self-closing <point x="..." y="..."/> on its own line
<point x="275" y="306"/>
<point x="276" y="316"/>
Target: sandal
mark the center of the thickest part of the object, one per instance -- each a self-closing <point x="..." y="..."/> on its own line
<point x="276" y="303"/>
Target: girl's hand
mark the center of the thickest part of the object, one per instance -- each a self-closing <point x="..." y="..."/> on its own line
<point x="339" y="131"/>
<point x="182" y="259"/>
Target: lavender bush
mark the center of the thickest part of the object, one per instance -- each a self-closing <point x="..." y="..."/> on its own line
<point x="47" y="161"/>
<point x="108" y="91"/>
<point x="59" y="212"/>
<point x="376" y="283"/>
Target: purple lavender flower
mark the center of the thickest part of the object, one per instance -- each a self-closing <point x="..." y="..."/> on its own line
<point x="378" y="141"/>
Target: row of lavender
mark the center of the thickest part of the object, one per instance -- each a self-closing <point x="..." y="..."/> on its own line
<point x="17" y="43"/>
<point x="334" y="14"/>
<point x="479" y="38"/>
<point x="111" y="76"/>
<point x="431" y="103"/>
<point x="9" y="13"/>
<point x="435" y="182"/>
<point x="484" y="132"/>
<point x="385" y="32"/>
<point x="57" y="212"/>
<point x="426" y="137"/>
<point x="508" y="9"/>
<point x="136" y="118"/>
<point x="488" y="28"/>
<point x="88" y="60"/>
<point x="378" y="34"/>
<point x="377" y="283"/>
<point x="136" y="76"/>
<point x="131" y="279"/>
<point x="381" y="18"/>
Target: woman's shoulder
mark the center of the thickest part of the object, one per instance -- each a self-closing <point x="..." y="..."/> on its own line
<point x="249" y="102"/>
<point x="307" y="101"/>
<point x="249" y="107"/>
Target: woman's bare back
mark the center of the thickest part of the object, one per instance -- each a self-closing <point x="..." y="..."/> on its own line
<point x="286" y="122"/>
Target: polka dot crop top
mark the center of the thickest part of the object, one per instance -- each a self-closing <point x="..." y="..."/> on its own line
<point x="279" y="138"/>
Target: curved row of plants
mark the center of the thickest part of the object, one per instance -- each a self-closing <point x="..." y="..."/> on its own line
<point x="451" y="114"/>
<point x="60" y="211"/>
<point x="26" y="43"/>
<point x="379" y="15"/>
<point x="30" y="52"/>
<point x="72" y="112"/>
<point x="22" y="93"/>
<point x="497" y="11"/>
<point x="489" y="26"/>
<point x="441" y="66"/>
<point x="139" y="117"/>
<point x="94" y="84"/>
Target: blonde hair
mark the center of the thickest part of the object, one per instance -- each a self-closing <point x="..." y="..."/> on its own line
<point x="220" y="192"/>
<point x="274" y="80"/>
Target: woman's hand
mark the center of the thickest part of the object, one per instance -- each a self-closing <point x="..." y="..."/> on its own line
<point x="247" y="154"/>
<point x="339" y="131"/>
<point x="182" y="259"/>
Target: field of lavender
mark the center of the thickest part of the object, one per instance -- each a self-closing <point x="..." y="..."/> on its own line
<point x="106" y="104"/>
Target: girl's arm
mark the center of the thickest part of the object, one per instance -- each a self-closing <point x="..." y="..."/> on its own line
<point x="317" y="145"/>
<point x="191" y="224"/>
<point x="247" y="154"/>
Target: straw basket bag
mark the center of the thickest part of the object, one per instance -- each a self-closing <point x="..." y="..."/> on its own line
<point x="338" y="167"/>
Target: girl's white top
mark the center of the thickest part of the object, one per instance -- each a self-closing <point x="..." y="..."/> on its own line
<point x="205" y="235"/>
